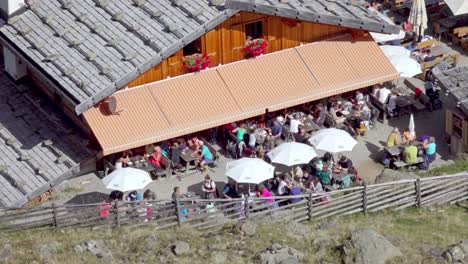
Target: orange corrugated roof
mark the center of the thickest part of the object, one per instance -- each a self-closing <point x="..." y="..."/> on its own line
<point x="194" y="102"/>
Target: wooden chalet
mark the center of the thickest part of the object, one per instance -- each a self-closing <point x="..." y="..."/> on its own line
<point x="81" y="52"/>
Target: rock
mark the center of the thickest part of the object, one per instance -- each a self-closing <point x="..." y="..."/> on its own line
<point x="5" y="254"/>
<point x="322" y="243"/>
<point x="218" y="257"/>
<point x="435" y="254"/>
<point x="327" y="224"/>
<point x="248" y="228"/>
<point x="389" y="175"/>
<point x="464" y="246"/>
<point x="278" y="254"/>
<point x="369" y="247"/>
<point x="298" y="229"/>
<point x="45" y="251"/>
<point x="97" y="248"/>
<point x="455" y="253"/>
<point x="181" y="248"/>
<point x="150" y="242"/>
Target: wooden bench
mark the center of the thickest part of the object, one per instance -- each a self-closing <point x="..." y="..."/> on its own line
<point x="401" y="164"/>
<point x="426" y="44"/>
<point x="381" y="107"/>
<point x="423" y="98"/>
<point x="167" y="172"/>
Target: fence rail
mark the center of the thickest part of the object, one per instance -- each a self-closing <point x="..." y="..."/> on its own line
<point x="206" y="213"/>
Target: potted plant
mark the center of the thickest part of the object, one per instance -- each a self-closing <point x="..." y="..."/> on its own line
<point x="196" y="62"/>
<point x="255" y="47"/>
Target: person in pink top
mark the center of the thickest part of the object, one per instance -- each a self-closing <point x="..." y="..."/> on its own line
<point x="263" y="192"/>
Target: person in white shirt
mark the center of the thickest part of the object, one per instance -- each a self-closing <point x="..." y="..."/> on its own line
<point x="282" y="186"/>
<point x="252" y="139"/>
<point x="294" y="123"/>
<point x="375" y="90"/>
<point x="359" y="96"/>
<point x="383" y="94"/>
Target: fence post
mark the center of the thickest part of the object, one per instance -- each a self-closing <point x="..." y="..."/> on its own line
<point x="417" y="185"/>
<point x="310" y="205"/>
<point x="246" y="206"/>
<point x="54" y="212"/>
<point x="364" y="197"/>
<point x="178" y="212"/>
<point x="117" y="213"/>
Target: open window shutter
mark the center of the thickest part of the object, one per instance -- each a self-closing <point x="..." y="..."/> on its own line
<point x="212" y="42"/>
<point x="237" y="42"/>
<point x="448" y="122"/>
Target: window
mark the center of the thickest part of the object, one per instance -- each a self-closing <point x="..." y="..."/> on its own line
<point x="254" y="30"/>
<point x="192" y="48"/>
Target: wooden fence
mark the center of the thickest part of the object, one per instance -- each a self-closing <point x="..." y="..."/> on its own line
<point x="204" y="213"/>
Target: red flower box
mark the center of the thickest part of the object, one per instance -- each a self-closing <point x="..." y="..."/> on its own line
<point x="196" y="62"/>
<point x="256" y="47"/>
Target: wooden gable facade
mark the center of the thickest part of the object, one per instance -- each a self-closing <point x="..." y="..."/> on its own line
<point x="225" y="43"/>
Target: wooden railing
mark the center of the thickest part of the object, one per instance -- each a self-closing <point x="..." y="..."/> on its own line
<point x="206" y="213"/>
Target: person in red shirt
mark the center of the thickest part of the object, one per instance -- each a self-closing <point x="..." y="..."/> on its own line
<point x="156" y="158"/>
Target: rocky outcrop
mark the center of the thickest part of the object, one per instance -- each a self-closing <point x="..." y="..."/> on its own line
<point x="247" y="228"/>
<point x="95" y="247"/>
<point x="278" y="254"/>
<point x="181" y="248"/>
<point x="45" y="251"/>
<point x="366" y="246"/>
<point x="389" y="175"/>
<point x="457" y="252"/>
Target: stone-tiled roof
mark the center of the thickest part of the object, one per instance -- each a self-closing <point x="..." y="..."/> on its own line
<point x="93" y="47"/>
<point x="345" y="13"/>
<point x="455" y="82"/>
<point x="35" y="151"/>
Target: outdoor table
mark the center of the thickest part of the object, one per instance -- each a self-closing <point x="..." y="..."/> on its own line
<point x="310" y="125"/>
<point x="439" y="50"/>
<point x="187" y="157"/>
<point x="394" y="151"/>
<point x="143" y="165"/>
<point x="405" y="103"/>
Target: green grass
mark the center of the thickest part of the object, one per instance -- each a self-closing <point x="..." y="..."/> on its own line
<point x="456" y="167"/>
<point x="414" y="231"/>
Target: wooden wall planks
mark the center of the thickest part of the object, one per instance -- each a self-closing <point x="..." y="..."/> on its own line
<point x="225" y="43"/>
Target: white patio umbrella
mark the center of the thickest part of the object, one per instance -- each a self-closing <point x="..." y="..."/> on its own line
<point x="411" y="126"/>
<point x="458" y="7"/>
<point x="333" y="140"/>
<point x="127" y="179"/>
<point x="407" y="67"/>
<point x="418" y="17"/>
<point x="249" y="170"/>
<point x="390" y="51"/>
<point x="292" y="153"/>
<point x="381" y="38"/>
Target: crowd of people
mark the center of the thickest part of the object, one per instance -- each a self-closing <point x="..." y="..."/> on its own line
<point x="413" y="147"/>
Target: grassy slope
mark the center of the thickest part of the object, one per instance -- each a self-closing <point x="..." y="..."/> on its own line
<point x="455" y="167"/>
<point x="413" y="231"/>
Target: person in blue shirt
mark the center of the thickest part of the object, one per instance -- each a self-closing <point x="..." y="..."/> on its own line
<point x="206" y="156"/>
<point x="429" y="150"/>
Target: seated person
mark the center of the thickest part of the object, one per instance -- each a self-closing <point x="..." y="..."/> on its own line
<point x="345" y="164"/>
<point x="429" y="150"/>
<point x="276" y="130"/>
<point x="240" y="132"/>
<point x="133" y="196"/>
<point x="335" y="111"/>
<point x="230" y="191"/>
<point x="295" y="190"/>
<point x="294" y="123"/>
<point x="206" y="156"/>
<point x="156" y="159"/>
<point x="124" y="160"/>
<point x="392" y="139"/>
<point x="410" y="153"/>
<point x="301" y="136"/>
<point x="174" y="154"/>
<point x="413" y="46"/>
<point x="429" y="57"/>
<point x="406" y="137"/>
<point x="319" y="114"/>
<point x="324" y="175"/>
